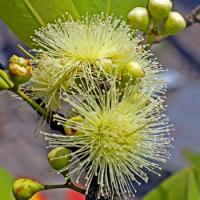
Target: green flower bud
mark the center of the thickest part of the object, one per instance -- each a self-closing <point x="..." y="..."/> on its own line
<point x="59" y="158"/>
<point x="139" y="18"/>
<point x="173" y="24"/>
<point x="3" y="84"/>
<point x="24" y="189"/>
<point x="159" y="9"/>
<point x="70" y="125"/>
<point x="134" y="69"/>
<point x="20" y="69"/>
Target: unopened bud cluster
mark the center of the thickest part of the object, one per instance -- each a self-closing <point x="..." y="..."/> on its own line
<point x="157" y="15"/>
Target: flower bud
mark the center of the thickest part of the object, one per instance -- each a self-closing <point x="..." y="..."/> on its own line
<point x="134" y="69"/>
<point x="159" y="9"/>
<point x="3" y="84"/>
<point x="139" y="18"/>
<point x="20" y="69"/>
<point x="24" y="189"/>
<point x="59" y="158"/>
<point x="173" y="24"/>
<point x="70" y="126"/>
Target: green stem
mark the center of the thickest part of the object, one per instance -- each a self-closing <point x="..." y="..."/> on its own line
<point x="5" y="77"/>
<point x="14" y="88"/>
<point x="68" y="184"/>
<point x="32" y="103"/>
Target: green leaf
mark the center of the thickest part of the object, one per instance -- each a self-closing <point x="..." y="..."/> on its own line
<point x="182" y="185"/>
<point x="192" y="156"/>
<point x="6" y="181"/>
<point x="193" y="189"/>
<point x="25" y="16"/>
<point x="172" y="188"/>
<point x="116" y="7"/>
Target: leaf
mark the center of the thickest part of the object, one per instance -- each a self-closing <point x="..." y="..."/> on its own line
<point x="181" y="185"/>
<point x="6" y="181"/>
<point x="116" y="7"/>
<point x="193" y="189"/>
<point x="25" y="16"/>
<point x="192" y="156"/>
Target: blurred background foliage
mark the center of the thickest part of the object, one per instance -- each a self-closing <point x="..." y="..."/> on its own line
<point x="6" y="180"/>
<point x="184" y="184"/>
<point x="23" y="154"/>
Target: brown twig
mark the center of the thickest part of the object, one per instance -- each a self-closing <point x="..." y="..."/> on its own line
<point x="68" y="185"/>
<point x="193" y="17"/>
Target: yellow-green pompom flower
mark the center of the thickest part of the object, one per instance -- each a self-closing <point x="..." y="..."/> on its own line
<point x="91" y="46"/>
<point x="123" y="133"/>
